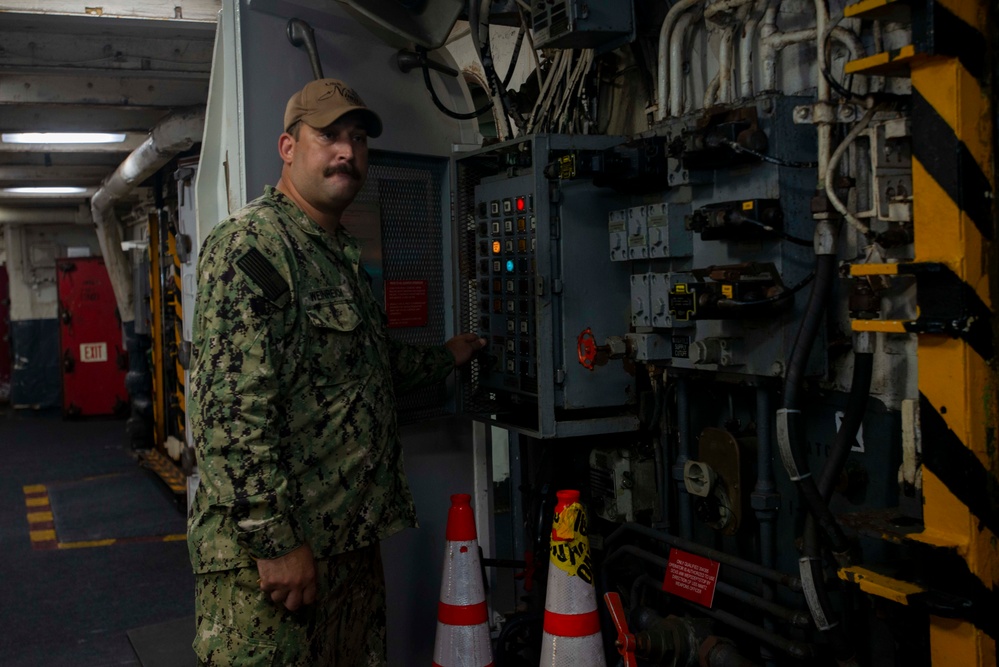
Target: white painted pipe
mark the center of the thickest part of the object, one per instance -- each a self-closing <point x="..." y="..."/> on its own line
<point x="176" y="133"/>
<point x="777" y="41"/>
<point x="676" y="65"/>
<point x="663" y="71"/>
<point x="711" y="92"/>
<point x="746" y="49"/>
<point x="725" y="65"/>
<point x="824" y="125"/>
<point x="768" y="54"/>
<point x="716" y="8"/>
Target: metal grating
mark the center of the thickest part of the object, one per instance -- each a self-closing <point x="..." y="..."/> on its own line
<point x="408" y="191"/>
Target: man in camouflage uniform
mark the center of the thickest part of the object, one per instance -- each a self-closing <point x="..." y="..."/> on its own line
<point x="293" y="411"/>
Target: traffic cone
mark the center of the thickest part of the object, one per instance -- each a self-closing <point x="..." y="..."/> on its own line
<point x="462" y="631"/>
<point x="572" y="626"/>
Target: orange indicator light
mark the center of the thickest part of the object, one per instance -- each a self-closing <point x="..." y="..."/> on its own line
<point x="496" y="247"/>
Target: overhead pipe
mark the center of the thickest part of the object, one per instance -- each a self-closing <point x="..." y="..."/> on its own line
<point x="174" y="134"/>
<point x="44" y="216"/>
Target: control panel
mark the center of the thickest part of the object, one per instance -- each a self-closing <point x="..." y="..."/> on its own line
<point x="506" y="243"/>
<point x="533" y="255"/>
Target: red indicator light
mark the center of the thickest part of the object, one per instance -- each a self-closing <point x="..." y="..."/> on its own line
<point x="521" y="204"/>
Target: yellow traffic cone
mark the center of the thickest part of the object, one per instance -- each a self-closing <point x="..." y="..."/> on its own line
<point x="462" y="629"/>
<point x="572" y="626"/>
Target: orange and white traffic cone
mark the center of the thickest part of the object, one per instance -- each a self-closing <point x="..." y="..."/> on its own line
<point x="572" y="626"/>
<point x="462" y="630"/>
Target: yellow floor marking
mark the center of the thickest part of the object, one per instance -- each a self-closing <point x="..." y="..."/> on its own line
<point x="39" y="517"/>
<point x="42" y="535"/>
<point x="37" y="502"/>
<point x="34" y="488"/>
<point x="175" y="538"/>
<point x="87" y="543"/>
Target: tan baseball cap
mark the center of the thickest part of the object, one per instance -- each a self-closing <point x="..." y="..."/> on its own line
<point x="323" y="101"/>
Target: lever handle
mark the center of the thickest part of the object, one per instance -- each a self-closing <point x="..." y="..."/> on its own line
<point x="625" y="640"/>
<point x="300" y="34"/>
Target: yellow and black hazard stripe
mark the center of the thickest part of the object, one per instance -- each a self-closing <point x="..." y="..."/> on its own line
<point x="949" y="162"/>
<point x="954" y="226"/>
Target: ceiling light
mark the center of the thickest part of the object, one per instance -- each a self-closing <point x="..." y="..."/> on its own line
<point x="63" y="138"/>
<point x="47" y="190"/>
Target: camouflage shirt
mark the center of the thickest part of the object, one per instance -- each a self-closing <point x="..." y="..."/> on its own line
<point x="292" y="401"/>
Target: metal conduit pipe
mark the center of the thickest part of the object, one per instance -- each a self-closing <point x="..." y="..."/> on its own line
<point x="765" y="500"/>
<point x="792" y="616"/>
<point x="823" y="114"/>
<point x="775" y="41"/>
<point x="685" y="442"/>
<point x="721" y="6"/>
<point x="787" y="580"/>
<point x="795" y="649"/>
<point x="725" y="65"/>
<point x="746" y="49"/>
<point x="174" y="134"/>
<point x="662" y="73"/>
<point x="676" y="65"/>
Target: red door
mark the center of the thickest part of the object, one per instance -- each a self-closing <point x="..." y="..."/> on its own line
<point x="94" y="362"/>
<point x="5" y="366"/>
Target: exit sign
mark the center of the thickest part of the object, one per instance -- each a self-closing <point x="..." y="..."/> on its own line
<point x="93" y="352"/>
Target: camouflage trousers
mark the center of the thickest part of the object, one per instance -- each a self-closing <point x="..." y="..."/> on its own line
<point x="238" y="625"/>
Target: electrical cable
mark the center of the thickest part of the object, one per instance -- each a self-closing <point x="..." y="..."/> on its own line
<point x="485" y="57"/>
<point x="530" y="42"/>
<point x="437" y="101"/>
<point x="514" y="57"/>
<point x="831" y="172"/>
<point x="791" y="439"/>
<point x="777" y="298"/>
<point x="738" y="148"/>
<point x="853" y="417"/>
<point x="784" y="235"/>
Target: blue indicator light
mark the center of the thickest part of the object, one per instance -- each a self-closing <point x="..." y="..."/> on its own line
<point x="509" y="265"/>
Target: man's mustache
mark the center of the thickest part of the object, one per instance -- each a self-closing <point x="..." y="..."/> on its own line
<point x="347" y="169"/>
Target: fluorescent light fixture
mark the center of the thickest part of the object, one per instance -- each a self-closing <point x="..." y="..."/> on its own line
<point x="63" y="137"/>
<point x="47" y="190"/>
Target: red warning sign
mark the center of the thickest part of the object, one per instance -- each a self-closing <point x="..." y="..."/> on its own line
<point x="406" y="303"/>
<point x="691" y="577"/>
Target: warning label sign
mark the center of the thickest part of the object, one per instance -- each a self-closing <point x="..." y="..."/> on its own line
<point x="406" y="303"/>
<point x="570" y="546"/>
<point x="691" y="577"/>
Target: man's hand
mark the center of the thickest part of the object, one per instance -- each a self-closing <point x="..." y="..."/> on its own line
<point x="291" y="578"/>
<point x="464" y="346"/>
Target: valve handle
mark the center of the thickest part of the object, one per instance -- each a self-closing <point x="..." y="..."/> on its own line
<point x="586" y="348"/>
<point x="625" y="640"/>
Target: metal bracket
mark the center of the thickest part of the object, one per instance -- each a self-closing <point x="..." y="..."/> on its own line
<point x="811" y="114"/>
<point x="947" y="305"/>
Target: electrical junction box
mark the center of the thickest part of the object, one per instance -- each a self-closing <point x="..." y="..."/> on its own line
<point x="534" y="277"/>
<point x="582" y="24"/>
<point x="621" y="484"/>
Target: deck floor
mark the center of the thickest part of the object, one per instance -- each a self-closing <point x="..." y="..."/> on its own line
<point x="91" y="544"/>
